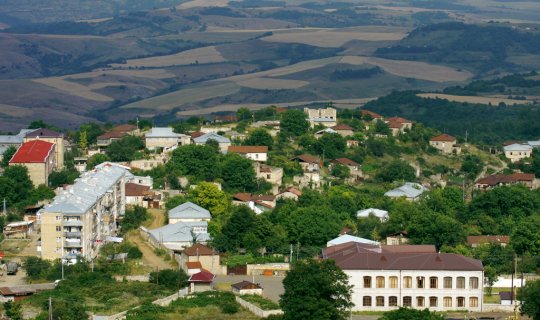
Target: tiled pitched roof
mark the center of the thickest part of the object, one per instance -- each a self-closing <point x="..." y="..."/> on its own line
<point x="307" y="158"/>
<point x="112" y="135"/>
<point x="199" y="250"/>
<point x="496" y="179"/>
<point x="371" y="114"/>
<point x="345" y="161"/>
<point x="44" y="133"/>
<point x="443" y="137"/>
<point x="35" y="151"/>
<point x="342" y="127"/>
<point x="193" y="265"/>
<point x="246" y="285"/>
<point x="203" y="276"/>
<point x="136" y="190"/>
<point x="487" y="239"/>
<point x="248" y="149"/>
<point x="124" y="127"/>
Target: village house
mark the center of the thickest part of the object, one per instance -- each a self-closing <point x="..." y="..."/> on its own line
<point x="475" y="241"/>
<point x="141" y="195"/>
<point x="398" y="125"/>
<point x="347" y="238"/>
<point x="107" y="138"/>
<point x="273" y="175"/>
<point x="495" y="180"/>
<point x="18" y="229"/>
<point x="292" y="193"/>
<point x="81" y="218"/>
<point x="396" y="239"/>
<point x="237" y="136"/>
<point x="165" y="138"/>
<point x="516" y="152"/>
<point x="381" y="214"/>
<point x="445" y="143"/>
<point x="353" y="166"/>
<point x="52" y="137"/>
<point x="147" y="164"/>
<point x="223" y="142"/>
<point x="226" y="118"/>
<point x="343" y="130"/>
<point x="371" y="116"/>
<point x="258" y="203"/>
<point x="193" y="267"/>
<point x="39" y="157"/>
<point x="324" y="131"/>
<point x="326" y="117"/>
<point x="410" y="191"/>
<point x="247" y="287"/>
<point x="208" y="258"/>
<point x="188" y="212"/>
<point x="7" y="140"/>
<point x="352" y="143"/>
<point x="179" y="235"/>
<point x="308" y="162"/>
<point x="201" y="281"/>
<point x="254" y="153"/>
<point x="384" y="279"/>
<point x="14" y="294"/>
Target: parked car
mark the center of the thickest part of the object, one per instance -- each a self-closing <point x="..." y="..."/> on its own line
<point x="12" y="268"/>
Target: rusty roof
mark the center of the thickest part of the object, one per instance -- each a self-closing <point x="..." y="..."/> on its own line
<point x="496" y="179"/>
<point x="246" y="285"/>
<point x="307" y="158"/>
<point x="487" y="239"/>
<point x="248" y="149"/>
<point x="345" y="161"/>
<point x="136" y="190"/>
<point x="443" y="137"/>
<point x="199" y="250"/>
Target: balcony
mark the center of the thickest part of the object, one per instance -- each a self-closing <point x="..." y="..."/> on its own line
<point x="76" y="234"/>
<point x="72" y="244"/>
<point x="72" y="223"/>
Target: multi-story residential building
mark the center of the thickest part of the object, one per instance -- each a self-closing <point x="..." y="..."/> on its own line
<point x="385" y="280"/>
<point x="326" y="117"/>
<point x="39" y="157"/>
<point x="81" y="218"/>
<point x="52" y="137"/>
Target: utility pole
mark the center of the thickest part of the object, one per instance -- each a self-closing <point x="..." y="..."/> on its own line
<point x="4" y="212"/>
<point x="290" y="255"/>
<point x="50" y="309"/>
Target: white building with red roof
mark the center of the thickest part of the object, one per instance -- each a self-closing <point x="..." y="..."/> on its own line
<point x="39" y="157"/>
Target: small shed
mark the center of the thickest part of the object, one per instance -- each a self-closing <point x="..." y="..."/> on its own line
<point x="507" y="298"/>
<point x="201" y="281"/>
<point x="10" y="294"/>
<point x="18" y="229"/>
<point x="247" y="287"/>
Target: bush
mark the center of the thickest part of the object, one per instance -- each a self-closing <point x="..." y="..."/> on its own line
<point x="171" y="279"/>
<point x="229" y="308"/>
<point x="134" y="253"/>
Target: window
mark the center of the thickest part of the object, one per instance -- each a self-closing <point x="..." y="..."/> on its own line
<point x="380" y="282"/>
<point x="420" y="282"/>
<point x="367" y="282"/>
<point x="433" y="282"/>
<point x="392" y="301"/>
<point x="473" y="302"/>
<point x="447" y="302"/>
<point x="57" y="218"/>
<point x="393" y="282"/>
<point x="448" y="282"/>
<point x="407" y="301"/>
<point x="407" y="282"/>
<point x="58" y="249"/>
<point x="419" y="301"/>
<point x="473" y="283"/>
<point x="58" y="228"/>
<point x="57" y="239"/>
<point x="432" y="301"/>
<point x="460" y="283"/>
<point x="366" y="301"/>
<point x="380" y="301"/>
<point x="461" y="302"/>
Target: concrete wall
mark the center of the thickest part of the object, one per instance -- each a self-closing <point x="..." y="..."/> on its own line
<point x="256" y="310"/>
<point x="162" y="142"/>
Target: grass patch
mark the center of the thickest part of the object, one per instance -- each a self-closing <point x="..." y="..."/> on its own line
<point x="261" y="302"/>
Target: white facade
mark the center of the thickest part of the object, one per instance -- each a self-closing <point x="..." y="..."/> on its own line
<point x="516" y="152"/>
<point x="390" y="289"/>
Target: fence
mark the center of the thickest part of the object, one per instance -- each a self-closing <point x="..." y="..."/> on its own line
<point x="256" y="310"/>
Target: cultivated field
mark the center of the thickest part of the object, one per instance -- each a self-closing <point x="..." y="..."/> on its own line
<point x="473" y="99"/>
<point x="412" y="69"/>
<point x="13" y="111"/>
<point x="269" y="83"/>
<point x="333" y="38"/>
<point x="177" y="98"/>
<point x="194" y="56"/>
<point x="203" y="3"/>
<point x="73" y="88"/>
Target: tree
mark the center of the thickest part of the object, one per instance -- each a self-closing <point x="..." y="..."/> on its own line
<point x="411" y="314"/>
<point x="83" y="140"/>
<point x="382" y="128"/>
<point x="530" y="297"/>
<point x="397" y="170"/>
<point x="242" y="221"/>
<point x="316" y="290"/>
<point x="259" y="137"/>
<point x="198" y="162"/>
<point x="238" y="173"/>
<point x="125" y="149"/>
<point x="20" y="180"/>
<point x="526" y="236"/>
<point x="340" y="171"/>
<point x="134" y="218"/>
<point x="472" y="165"/>
<point x="96" y="159"/>
<point x="314" y="225"/>
<point x="36" y="268"/>
<point x="293" y="123"/>
<point x="491" y="275"/>
<point x="447" y="231"/>
<point x="7" y="155"/>
<point x="13" y="310"/>
<point x="331" y="146"/>
<point x="59" y="178"/>
<point x="244" y="114"/>
<point x="171" y="279"/>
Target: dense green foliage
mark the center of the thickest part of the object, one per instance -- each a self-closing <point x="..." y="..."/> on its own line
<point x="530" y="295"/>
<point x="293" y="123"/>
<point x="316" y="290"/>
<point x="172" y="279"/>
<point x="411" y="314"/>
<point x="6" y="156"/>
<point x="133" y="218"/>
<point x="125" y="149"/>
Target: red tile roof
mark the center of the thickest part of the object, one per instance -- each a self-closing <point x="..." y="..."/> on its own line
<point x="242" y="196"/>
<point x="35" y="151"/>
<point x="246" y="285"/>
<point x="245" y="197"/>
<point x="307" y="158"/>
<point x="196" y="134"/>
<point x="248" y="149"/>
<point x="124" y="128"/>
<point x="496" y="179"/>
<point x="443" y="137"/>
<point x="399" y="119"/>
<point x="199" y="250"/>
<point x="368" y="257"/>
<point x="345" y="161"/>
<point x="203" y="276"/>
<point x="371" y="114"/>
<point x="487" y="239"/>
<point x="112" y="135"/>
<point x="342" y="127"/>
<point x="43" y="133"/>
<point x="226" y="118"/>
<point x="193" y="265"/>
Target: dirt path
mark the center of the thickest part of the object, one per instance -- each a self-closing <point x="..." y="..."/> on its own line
<point x="157" y="219"/>
<point x="149" y="257"/>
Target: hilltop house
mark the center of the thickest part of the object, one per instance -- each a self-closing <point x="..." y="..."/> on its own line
<point x="39" y="157"/>
<point x="107" y="138"/>
<point x="475" y="241"/>
<point x="292" y="193"/>
<point x="445" y="143"/>
<point x="188" y="212"/>
<point x="165" y="138"/>
<point x="385" y="279"/>
<point x="326" y="117"/>
<point x="223" y="142"/>
<point x="396" y="239"/>
<point x="247" y="287"/>
<point x="308" y="162"/>
<point x="366" y="114"/>
<point x="324" y="131"/>
<point x="398" y="125"/>
<point x="410" y="191"/>
<point x="354" y="168"/>
<point x="258" y="203"/>
<point x="52" y="137"/>
<point x="273" y="175"/>
<point x="495" y="180"/>
<point x="381" y="214"/>
<point x="254" y="153"/>
<point x="343" y="130"/>
<point x="516" y="152"/>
